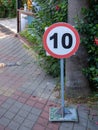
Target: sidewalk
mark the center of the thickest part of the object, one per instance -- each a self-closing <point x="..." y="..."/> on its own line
<point x="26" y="93"/>
<point x="9" y="23"/>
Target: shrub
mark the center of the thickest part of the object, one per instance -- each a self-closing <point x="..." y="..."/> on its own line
<point x="87" y="27"/>
<point x="10" y="7"/>
<point x="49" y="13"/>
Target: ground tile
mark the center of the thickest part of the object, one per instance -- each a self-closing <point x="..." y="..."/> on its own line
<point x="13" y="125"/>
<point x="2" y="127"/>
<point x="19" y="119"/>
<point x="34" y="98"/>
<point x="39" y="105"/>
<point x="4" y="121"/>
<point x="3" y="98"/>
<point x="14" y="109"/>
<point x="10" y="101"/>
<point x="24" y="128"/>
<point x="7" y="128"/>
<point x="18" y="104"/>
<point x="26" y="107"/>
<point x="45" y="115"/>
<point x="9" y="115"/>
<point x="53" y="125"/>
<point x="38" y="127"/>
<point x="2" y="111"/>
<point x="6" y="105"/>
<point x="43" y="101"/>
<point x="42" y="121"/>
<point x="32" y="117"/>
<point x="21" y="99"/>
<point x="28" y="123"/>
<point x="36" y="111"/>
<point x="22" y="113"/>
<point x="15" y="97"/>
<point x="30" y="102"/>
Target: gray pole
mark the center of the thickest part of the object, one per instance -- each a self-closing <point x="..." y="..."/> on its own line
<point x="62" y="85"/>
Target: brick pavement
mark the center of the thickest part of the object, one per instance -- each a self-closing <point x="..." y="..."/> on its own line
<point x="26" y="93"/>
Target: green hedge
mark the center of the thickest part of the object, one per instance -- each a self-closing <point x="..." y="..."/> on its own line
<point x="51" y="12"/>
<point x="88" y="27"/>
<point x="7" y="8"/>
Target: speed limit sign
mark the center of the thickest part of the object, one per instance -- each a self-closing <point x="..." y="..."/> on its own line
<point x="61" y="40"/>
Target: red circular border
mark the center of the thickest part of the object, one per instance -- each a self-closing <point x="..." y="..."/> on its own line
<point x="64" y="25"/>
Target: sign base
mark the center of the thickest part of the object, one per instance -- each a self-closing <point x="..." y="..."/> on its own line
<point x="70" y="114"/>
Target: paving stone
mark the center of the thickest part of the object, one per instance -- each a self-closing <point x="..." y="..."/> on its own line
<point x="15" y="97"/>
<point x="6" y="105"/>
<point x="22" y="100"/>
<point x="36" y="111"/>
<point x="2" y="111"/>
<point x="45" y="115"/>
<point x="95" y="118"/>
<point x="18" y="104"/>
<point x="18" y="119"/>
<point x="7" y="128"/>
<point x="18" y="93"/>
<point x="21" y="89"/>
<point x="28" y="91"/>
<point x="24" y="128"/>
<point x="25" y="95"/>
<point x="26" y="108"/>
<point x="92" y="125"/>
<point x="46" y="96"/>
<point x="25" y="86"/>
<point x="14" y="109"/>
<point x="33" y="98"/>
<point x="28" y="123"/>
<point x="82" y="121"/>
<point x="32" y="117"/>
<point x="38" y="127"/>
<point x="54" y="126"/>
<point x="43" y="121"/>
<point x="4" y="121"/>
<point x="2" y="127"/>
<point x="30" y="102"/>
<point x="10" y="101"/>
<point x="14" y="125"/>
<point x="38" y="92"/>
<point x="43" y="101"/>
<point x="2" y="97"/>
<point x="9" y="115"/>
<point x="79" y="127"/>
<point x="67" y="126"/>
<point x="23" y="113"/>
<point x="83" y="114"/>
<point x="48" y="129"/>
<point x="39" y="105"/>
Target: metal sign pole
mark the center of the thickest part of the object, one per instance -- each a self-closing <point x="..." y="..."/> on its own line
<point x="62" y="85"/>
<point x="63" y="113"/>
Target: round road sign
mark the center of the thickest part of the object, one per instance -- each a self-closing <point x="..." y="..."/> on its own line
<point x="61" y="40"/>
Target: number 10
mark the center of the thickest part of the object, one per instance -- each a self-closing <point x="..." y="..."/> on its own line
<point x="63" y="40"/>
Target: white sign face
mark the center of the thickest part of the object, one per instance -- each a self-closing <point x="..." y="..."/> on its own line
<point x="61" y="40"/>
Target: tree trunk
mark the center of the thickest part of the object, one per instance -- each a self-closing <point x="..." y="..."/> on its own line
<point x="76" y="83"/>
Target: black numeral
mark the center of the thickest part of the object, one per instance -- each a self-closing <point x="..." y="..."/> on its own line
<point x="54" y="36"/>
<point x="63" y="40"/>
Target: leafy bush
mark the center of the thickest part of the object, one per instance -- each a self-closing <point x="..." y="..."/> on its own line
<point x="87" y="27"/>
<point x="2" y="11"/>
<point x="9" y="7"/>
<point x="50" y="12"/>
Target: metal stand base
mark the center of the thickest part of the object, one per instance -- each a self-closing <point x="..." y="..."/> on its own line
<point x="70" y="114"/>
